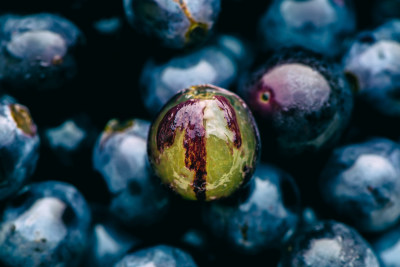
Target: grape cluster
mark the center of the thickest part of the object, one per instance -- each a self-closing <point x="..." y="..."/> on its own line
<point x="200" y="133"/>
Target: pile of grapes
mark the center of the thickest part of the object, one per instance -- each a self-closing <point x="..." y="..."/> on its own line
<point x="200" y="133"/>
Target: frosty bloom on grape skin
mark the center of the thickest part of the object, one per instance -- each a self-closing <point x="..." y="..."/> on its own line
<point x="38" y="51"/>
<point x="302" y="101"/>
<point x="176" y="24"/>
<point x="19" y="146"/>
<point x="204" y="144"/>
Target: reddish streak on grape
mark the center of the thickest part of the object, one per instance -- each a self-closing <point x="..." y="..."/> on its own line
<point x="187" y="116"/>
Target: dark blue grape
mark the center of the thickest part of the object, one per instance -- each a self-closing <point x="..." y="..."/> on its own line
<point x="361" y="182"/>
<point x="158" y="256"/>
<point x="373" y="60"/>
<point x="109" y="241"/>
<point x="261" y="218"/>
<point x="19" y="146"/>
<point x="69" y="140"/>
<point x="37" y="51"/>
<point x="120" y="155"/>
<point x="46" y="224"/>
<point x="176" y="23"/>
<point x="218" y="64"/>
<point x="302" y="102"/>
<point x="317" y="25"/>
<point x="328" y="244"/>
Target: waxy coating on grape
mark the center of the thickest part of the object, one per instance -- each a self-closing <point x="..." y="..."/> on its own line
<point x="38" y="51"/>
<point x="373" y="61"/>
<point x="109" y="241"/>
<point x="120" y="156"/>
<point x="204" y="144"/>
<point x="361" y="183"/>
<point x="328" y="243"/>
<point x="303" y="102"/>
<point x="45" y="224"/>
<point x="176" y="23"/>
<point x="262" y="218"/>
<point x="19" y="146"/>
<point x="219" y="63"/>
<point x="157" y="256"/>
<point x="318" y="25"/>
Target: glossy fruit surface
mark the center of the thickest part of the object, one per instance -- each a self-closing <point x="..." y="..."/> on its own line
<point x="301" y="102"/>
<point x="374" y="61"/>
<point x="218" y="63"/>
<point x="158" y="256"/>
<point x="49" y="221"/>
<point x="204" y="144"/>
<point x="109" y="241"/>
<point x="19" y="146"/>
<point x="70" y="139"/>
<point x="361" y="183"/>
<point x="120" y="156"/>
<point x="328" y="244"/>
<point x="38" y="51"/>
<point x="176" y="23"/>
<point x="95" y="74"/>
<point x="317" y="25"/>
<point x="260" y="219"/>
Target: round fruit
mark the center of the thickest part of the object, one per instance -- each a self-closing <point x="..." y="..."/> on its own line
<point x="176" y="23"/>
<point x="373" y="60"/>
<point x="328" y="243"/>
<point x="120" y="156"/>
<point x="361" y="183"/>
<point x="204" y="143"/>
<point x="19" y="146"/>
<point x="303" y="102"/>
<point x="321" y="26"/>
<point x="218" y="63"/>
<point x="38" y="51"/>
<point x="264" y="216"/>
